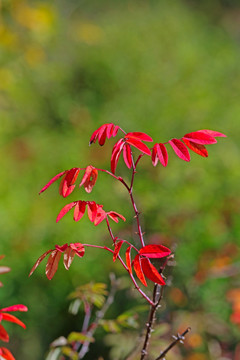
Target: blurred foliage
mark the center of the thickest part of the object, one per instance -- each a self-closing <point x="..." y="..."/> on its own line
<point x="162" y="68"/>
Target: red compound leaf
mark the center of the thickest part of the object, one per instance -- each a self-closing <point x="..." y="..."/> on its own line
<point x="180" y="149"/>
<point x="103" y="132"/>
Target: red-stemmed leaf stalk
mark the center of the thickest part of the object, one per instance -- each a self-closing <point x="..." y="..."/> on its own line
<point x="136" y="261"/>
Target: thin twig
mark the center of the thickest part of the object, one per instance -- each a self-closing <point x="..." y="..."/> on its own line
<point x="99" y="316"/>
<point x="178" y="338"/>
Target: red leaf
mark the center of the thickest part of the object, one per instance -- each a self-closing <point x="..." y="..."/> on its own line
<point x="78" y="248"/>
<point x="102" y="136"/>
<point x="6" y="354"/>
<point x="52" y="264"/>
<point x="18" y="307"/>
<point x="127" y="155"/>
<point x="92" y="210"/>
<point x="66" y="187"/>
<point x="139" y="145"/>
<point x="159" y="152"/>
<point x="138" y="269"/>
<point x="114" y="216"/>
<point x="115" y="130"/>
<point x="68" y="257"/>
<point x="89" y="178"/>
<point x="200" y="137"/>
<point x="128" y="259"/>
<point x="3" y="334"/>
<point x="155" y="251"/>
<point x="117" y="248"/>
<point x="116" y="154"/>
<point x="52" y="181"/>
<point x="139" y="135"/>
<point x="61" y="248"/>
<point x="151" y="272"/>
<point x="13" y="319"/>
<point x="110" y="128"/>
<point x="197" y="148"/>
<point x="65" y="210"/>
<point x="180" y="149"/>
<point x="213" y="133"/>
<point x="39" y="260"/>
<point x="79" y="210"/>
<point x="100" y="216"/>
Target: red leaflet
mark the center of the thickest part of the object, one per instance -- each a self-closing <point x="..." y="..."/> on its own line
<point x="117" y="249"/>
<point x="106" y="130"/>
<point x="140" y="136"/>
<point x="138" y="269"/>
<point x="213" y="133"/>
<point x="92" y="210"/>
<point x="200" y="137"/>
<point x="116" y="152"/>
<point x="6" y="354"/>
<point x="3" y="334"/>
<point x="52" y="181"/>
<point x="79" y="210"/>
<point x="114" y="216"/>
<point x="89" y="178"/>
<point x="65" y="209"/>
<point x="127" y="155"/>
<point x="155" y="251"/>
<point x="197" y="148"/>
<point x="39" y="260"/>
<point x="52" y="265"/>
<point x="100" y="216"/>
<point x="18" y="307"/>
<point x="159" y="152"/>
<point x="13" y="319"/>
<point x="128" y="259"/>
<point x="138" y="144"/>
<point x="180" y="149"/>
<point x="151" y="272"/>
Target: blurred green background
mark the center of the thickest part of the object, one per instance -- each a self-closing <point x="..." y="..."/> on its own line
<point x="164" y="68"/>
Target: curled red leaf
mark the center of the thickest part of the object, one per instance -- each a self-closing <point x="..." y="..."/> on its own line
<point x="117" y="249"/>
<point x="197" y="148"/>
<point x="151" y="272"/>
<point x="89" y="178"/>
<point x="128" y="259"/>
<point x="52" y="264"/>
<point x="159" y="152"/>
<point x="138" y="269"/>
<point x="155" y="251"/>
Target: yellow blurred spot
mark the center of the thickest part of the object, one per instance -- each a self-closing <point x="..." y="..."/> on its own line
<point x="34" y="56"/>
<point x="194" y="340"/>
<point x="221" y="262"/>
<point x="177" y="296"/>
<point x="197" y="356"/>
<point x="234" y="295"/>
<point x="6" y="78"/>
<point x="7" y="37"/>
<point x="39" y="18"/>
<point x="89" y="33"/>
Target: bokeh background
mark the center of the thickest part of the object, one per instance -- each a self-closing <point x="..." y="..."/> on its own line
<point x="164" y="68"/>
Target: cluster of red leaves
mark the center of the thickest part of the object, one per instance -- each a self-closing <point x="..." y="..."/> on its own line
<point x="95" y="211"/>
<point x="195" y="141"/>
<point x="67" y="184"/>
<point x="5" y="316"/>
<point x="68" y="251"/>
<point x="141" y="263"/>
<point x="5" y="353"/>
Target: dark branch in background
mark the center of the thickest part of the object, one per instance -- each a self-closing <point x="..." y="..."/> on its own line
<point x="99" y="316"/>
<point x="179" y="338"/>
<point x="157" y="297"/>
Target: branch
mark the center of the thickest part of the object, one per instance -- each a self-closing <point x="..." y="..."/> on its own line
<point x="99" y="316"/>
<point x="179" y="338"/>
